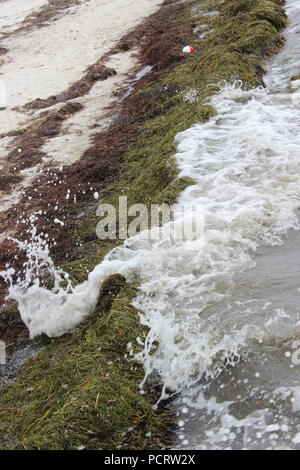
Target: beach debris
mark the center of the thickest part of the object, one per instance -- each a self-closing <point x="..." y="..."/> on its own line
<point x="188" y="49"/>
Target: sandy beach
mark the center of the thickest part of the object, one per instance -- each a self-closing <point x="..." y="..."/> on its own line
<point x="36" y="67"/>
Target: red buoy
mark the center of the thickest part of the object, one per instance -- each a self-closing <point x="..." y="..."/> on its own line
<point x="188" y="49"/>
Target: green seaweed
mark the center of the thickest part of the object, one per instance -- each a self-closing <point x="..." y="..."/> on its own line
<point x="81" y="391"/>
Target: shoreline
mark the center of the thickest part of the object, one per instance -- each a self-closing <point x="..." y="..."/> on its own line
<point x="156" y="103"/>
<point x="98" y="167"/>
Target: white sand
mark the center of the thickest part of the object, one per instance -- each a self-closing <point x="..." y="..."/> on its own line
<point x="77" y="131"/>
<point x="46" y="61"/>
<point x="13" y="12"/>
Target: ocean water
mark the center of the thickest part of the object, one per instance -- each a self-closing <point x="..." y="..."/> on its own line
<point x="222" y="310"/>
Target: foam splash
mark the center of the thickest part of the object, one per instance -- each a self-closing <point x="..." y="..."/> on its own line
<point x="28" y="288"/>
